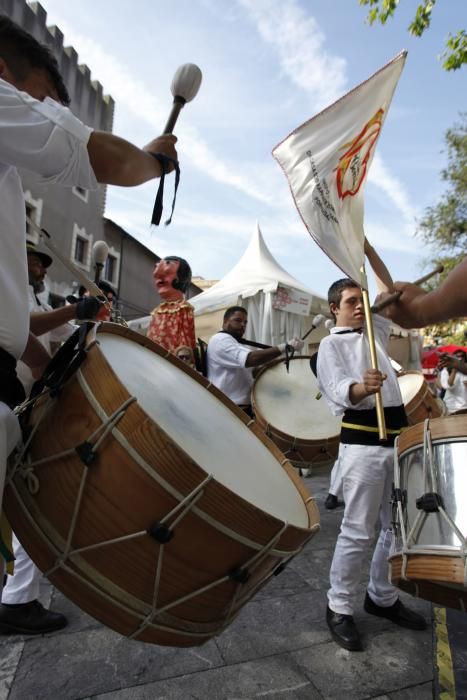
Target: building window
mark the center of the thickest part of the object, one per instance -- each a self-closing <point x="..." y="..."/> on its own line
<point x="112" y="267"/>
<point x="81" y="193"/>
<point x="34" y="213"/>
<point x="80" y="250"/>
<point x="81" y="245"/>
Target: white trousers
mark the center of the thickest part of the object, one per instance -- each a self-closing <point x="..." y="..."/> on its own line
<point x="23" y="586"/>
<point x="10" y="435"/>
<point x="367" y="474"/>
<point x="335" y="486"/>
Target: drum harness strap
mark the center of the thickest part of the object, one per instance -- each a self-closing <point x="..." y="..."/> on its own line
<point x="429" y="502"/>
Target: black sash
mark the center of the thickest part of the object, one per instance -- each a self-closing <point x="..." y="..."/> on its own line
<point x="361" y="427"/>
<point x="11" y="389"/>
<point x="244" y="341"/>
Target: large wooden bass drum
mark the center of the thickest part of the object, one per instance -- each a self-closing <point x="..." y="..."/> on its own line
<point x="146" y="496"/>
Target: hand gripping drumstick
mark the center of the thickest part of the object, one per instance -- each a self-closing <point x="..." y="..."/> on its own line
<point x="376" y="308"/>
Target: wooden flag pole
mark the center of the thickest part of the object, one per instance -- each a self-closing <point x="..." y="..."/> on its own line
<point x="374" y="361"/>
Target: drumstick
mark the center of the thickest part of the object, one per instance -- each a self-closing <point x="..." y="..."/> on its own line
<point x="184" y="88"/>
<point x="318" y="320"/>
<point x="92" y="287"/>
<point x="376" y="308"/>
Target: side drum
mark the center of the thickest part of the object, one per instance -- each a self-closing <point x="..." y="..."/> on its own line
<point x="149" y="499"/>
<point x="290" y="409"/>
<point x="429" y="550"/>
<point x="419" y="401"/>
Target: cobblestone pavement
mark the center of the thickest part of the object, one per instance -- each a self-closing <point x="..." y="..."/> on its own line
<point x="278" y="648"/>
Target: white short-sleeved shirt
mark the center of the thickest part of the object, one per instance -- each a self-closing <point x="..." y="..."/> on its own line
<point x="226" y="367"/>
<point x="48" y="141"/>
<point x="455" y="397"/>
<point x="342" y="360"/>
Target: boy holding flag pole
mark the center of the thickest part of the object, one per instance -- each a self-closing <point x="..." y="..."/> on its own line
<point x="326" y="161"/>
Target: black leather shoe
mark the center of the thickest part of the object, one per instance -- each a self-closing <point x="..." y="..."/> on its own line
<point x="29" y="618"/>
<point x="343" y="630"/>
<point x="397" y="613"/>
<point x="331" y="502"/>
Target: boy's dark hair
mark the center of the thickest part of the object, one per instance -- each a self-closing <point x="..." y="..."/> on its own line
<point x="22" y="52"/>
<point x="183" y="273"/>
<point x="233" y="310"/>
<point x="336" y="289"/>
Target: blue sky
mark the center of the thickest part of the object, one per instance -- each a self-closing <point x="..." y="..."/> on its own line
<point x="268" y="66"/>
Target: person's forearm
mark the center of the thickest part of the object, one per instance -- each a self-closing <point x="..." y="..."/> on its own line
<point x="34" y="355"/>
<point x="383" y="277"/>
<point x="448" y="301"/>
<point x="452" y="376"/>
<point x="43" y="322"/>
<point x="259" y="357"/>
<point x="118" y="162"/>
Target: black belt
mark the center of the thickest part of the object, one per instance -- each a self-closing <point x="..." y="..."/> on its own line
<point x="11" y="389"/>
<point x="361" y="427"/>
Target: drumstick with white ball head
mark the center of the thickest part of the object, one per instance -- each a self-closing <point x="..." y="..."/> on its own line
<point x="100" y="252"/>
<point x="317" y="321"/>
<point x="185" y="85"/>
<point x="329" y="323"/>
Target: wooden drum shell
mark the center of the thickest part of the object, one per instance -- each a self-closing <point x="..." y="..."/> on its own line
<point x="115" y="583"/>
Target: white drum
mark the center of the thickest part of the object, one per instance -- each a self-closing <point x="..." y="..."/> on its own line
<point x="290" y="409"/>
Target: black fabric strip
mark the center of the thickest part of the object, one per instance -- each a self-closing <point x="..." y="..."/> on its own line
<point x="11" y="389"/>
<point x="244" y="341"/>
<point x="158" y="204"/>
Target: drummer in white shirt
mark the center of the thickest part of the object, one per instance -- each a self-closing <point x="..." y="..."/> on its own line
<point x="454" y="380"/>
<point x="230" y="361"/>
<point x="42" y="136"/>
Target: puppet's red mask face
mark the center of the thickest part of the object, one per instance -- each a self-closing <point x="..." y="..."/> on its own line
<point x="165" y="273"/>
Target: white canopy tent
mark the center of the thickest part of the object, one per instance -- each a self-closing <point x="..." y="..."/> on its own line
<point x="279" y="306"/>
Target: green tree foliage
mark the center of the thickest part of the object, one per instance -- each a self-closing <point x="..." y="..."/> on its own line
<point x="455" y="54"/>
<point x="444" y="226"/>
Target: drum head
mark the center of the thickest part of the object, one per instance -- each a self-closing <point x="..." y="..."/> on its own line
<point x="291" y="401"/>
<point x="410" y="384"/>
<point x="204" y="427"/>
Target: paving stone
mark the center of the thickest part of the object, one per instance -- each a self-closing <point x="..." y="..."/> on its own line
<point x="71" y="666"/>
<point x="275" y="678"/>
<point x="386" y="666"/>
<point x="271" y="626"/>
<point x="287" y="583"/>
<point x="10" y="656"/>
<point x="416" y="692"/>
<point x="77" y="619"/>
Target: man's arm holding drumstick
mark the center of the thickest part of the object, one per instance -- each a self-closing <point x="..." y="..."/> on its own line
<point x="417" y="308"/>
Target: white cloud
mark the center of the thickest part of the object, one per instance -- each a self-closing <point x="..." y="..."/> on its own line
<point x="300" y="44"/>
<point x="381" y="177"/>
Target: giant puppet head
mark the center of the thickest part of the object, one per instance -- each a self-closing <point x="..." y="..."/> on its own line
<point x="172" y="277"/>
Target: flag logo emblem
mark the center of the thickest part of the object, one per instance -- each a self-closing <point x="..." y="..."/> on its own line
<point x="352" y="166"/>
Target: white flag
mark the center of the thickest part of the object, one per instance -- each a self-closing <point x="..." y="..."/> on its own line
<point x="326" y="161"/>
